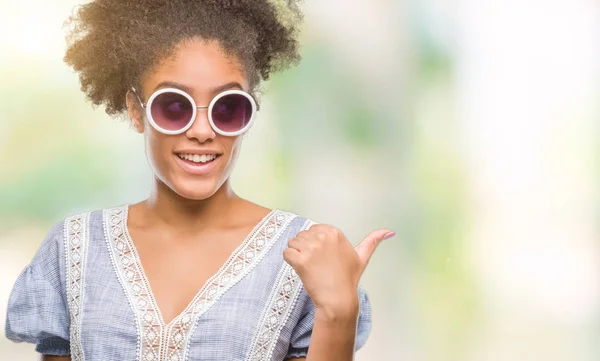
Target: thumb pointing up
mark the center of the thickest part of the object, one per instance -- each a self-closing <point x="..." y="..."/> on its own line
<point x="367" y="246"/>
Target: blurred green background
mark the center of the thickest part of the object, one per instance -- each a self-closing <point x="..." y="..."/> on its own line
<point x="469" y="127"/>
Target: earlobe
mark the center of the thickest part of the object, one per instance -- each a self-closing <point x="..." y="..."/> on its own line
<point x="136" y="116"/>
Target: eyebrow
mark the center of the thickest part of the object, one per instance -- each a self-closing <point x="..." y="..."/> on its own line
<point x="187" y="89"/>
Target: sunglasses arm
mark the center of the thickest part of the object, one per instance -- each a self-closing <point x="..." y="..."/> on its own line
<point x="138" y="97"/>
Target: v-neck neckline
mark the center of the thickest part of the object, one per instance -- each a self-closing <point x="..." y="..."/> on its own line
<point x="161" y="341"/>
<point x="208" y="281"/>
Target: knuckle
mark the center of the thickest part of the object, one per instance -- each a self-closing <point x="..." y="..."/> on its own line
<point x="313" y="246"/>
<point x="334" y="232"/>
<point x="319" y="227"/>
<point x="293" y="241"/>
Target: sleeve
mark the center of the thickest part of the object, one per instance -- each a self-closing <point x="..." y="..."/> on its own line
<point x="37" y="309"/>
<point x="300" y="339"/>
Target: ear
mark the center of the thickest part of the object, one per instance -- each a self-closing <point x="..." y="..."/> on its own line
<point x="135" y="111"/>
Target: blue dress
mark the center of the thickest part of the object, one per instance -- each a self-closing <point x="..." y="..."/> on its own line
<point x="85" y="294"/>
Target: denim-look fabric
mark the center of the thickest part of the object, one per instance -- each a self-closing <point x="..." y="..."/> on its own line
<point x="84" y="294"/>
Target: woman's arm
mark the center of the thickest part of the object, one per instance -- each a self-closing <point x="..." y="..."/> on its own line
<point x="54" y="358"/>
<point x="330" y="269"/>
<point x="333" y="335"/>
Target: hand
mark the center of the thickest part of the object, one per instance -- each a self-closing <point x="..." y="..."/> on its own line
<point x="329" y="266"/>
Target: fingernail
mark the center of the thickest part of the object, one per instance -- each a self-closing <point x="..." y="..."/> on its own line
<point x="389" y="235"/>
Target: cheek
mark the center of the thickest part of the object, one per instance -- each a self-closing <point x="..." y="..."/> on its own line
<point x="157" y="150"/>
<point x="234" y="151"/>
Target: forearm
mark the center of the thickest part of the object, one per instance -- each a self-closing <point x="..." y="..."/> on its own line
<point x="333" y="334"/>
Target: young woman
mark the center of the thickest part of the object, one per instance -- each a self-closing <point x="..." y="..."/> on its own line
<point x="194" y="272"/>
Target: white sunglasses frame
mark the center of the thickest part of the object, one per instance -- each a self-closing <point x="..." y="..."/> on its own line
<point x="148" y="109"/>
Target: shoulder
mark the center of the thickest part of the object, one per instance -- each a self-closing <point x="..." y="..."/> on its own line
<point x="296" y="222"/>
<point x="282" y="225"/>
<point x="79" y="221"/>
<point x="94" y="217"/>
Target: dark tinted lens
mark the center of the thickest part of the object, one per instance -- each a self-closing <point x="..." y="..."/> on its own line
<point x="232" y="112"/>
<point x="171" y="111"/>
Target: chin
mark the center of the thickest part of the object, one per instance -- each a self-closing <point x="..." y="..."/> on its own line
<point x="196" y="191"/>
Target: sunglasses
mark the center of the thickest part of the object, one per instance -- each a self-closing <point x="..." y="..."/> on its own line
<point x="173" y="111"/>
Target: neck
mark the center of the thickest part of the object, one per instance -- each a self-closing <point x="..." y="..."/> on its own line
<point x="168" y="207"/>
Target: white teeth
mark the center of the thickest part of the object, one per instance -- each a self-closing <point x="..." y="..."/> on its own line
<point x="196" y="158"/>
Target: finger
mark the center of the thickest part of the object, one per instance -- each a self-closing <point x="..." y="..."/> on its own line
<point x="291" y="256"/>
<point x="321" y="228"/>
<point x="297" y="243"/>
<point x="367" y="246"/>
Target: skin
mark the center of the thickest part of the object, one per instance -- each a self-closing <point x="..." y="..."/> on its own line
<point x="186" y="225"/>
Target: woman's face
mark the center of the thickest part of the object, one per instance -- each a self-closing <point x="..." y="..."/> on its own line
<point x="203" y="70"/>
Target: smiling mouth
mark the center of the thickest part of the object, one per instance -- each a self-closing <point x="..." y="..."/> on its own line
<point x="197" y="158"/>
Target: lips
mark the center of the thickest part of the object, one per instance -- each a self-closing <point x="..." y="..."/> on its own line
<point x="198" y="158"/>
<point x="197" y="164"/>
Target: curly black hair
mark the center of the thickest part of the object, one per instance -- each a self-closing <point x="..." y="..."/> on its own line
<point x="113" y="43"/>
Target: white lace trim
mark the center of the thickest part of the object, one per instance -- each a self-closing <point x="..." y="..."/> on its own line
<point x="281" y="303"/>
<point x="131" y="276"/>
<point x="76" y="244"/>
<point x="170" y="342"/>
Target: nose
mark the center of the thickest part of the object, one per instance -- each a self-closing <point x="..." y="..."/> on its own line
<point x="201" y="129"/>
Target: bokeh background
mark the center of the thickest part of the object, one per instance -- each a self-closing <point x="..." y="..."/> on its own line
<point x="469" y="126"/>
